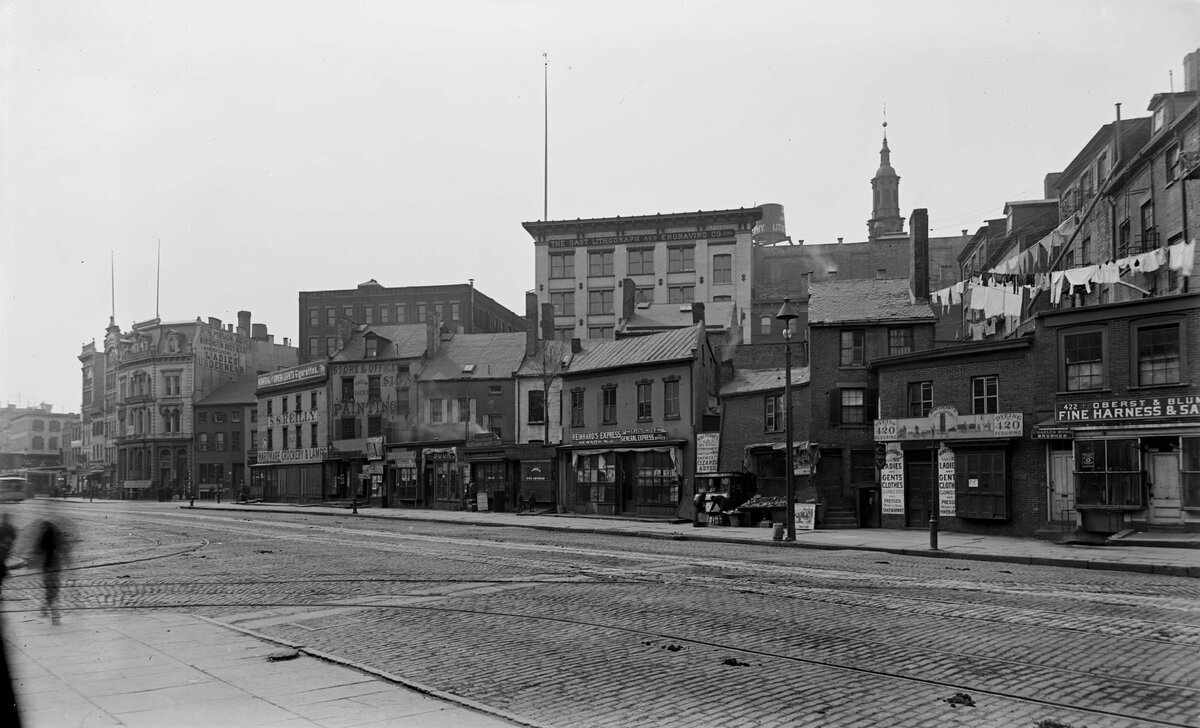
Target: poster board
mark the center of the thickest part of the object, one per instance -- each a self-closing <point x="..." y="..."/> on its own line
<point x="891" y="481"/>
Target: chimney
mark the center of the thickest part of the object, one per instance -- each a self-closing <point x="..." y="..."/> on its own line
<point x="576" y="347"/>
<point x="259" y="332"/>
<point x="547" y="322"/>
<point x="918" y="226"/>
<point x="839" y="241"/>
<point x="432" y="335"/>
<point x="628" y="298"/>
<point x="214" y="323"/>
<point x="243" y="327"/>
<point x="1191" y="71"/>
<point x="531" y="323"/>
<point x="697" y="313"/>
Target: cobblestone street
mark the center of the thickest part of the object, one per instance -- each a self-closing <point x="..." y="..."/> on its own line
<point x="592" y="630"/>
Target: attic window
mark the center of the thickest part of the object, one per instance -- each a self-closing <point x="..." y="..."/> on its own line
<point x="468" y="368"/>
<point x="372" y="347"/>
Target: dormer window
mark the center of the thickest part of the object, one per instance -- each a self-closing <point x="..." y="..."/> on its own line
<point x="372" y="347"/>
<point x="1160" y="117"/>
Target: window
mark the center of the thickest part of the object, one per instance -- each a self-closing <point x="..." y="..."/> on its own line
<point x="536" y="411"/>
<point x="681" y="294"/>
<point x="853" y="406"/>
<point x="464" y="409"/>
<point x="39" y="426"/>
<point x="270" y="407"/>
<point x="312" y="435"/>
<point x="331" y="345"/>
<point x="1083" y="355"/>
<point x="862" y="466"/>
<point x="374" y="426"/>
<point x="774" y="415"/>
<point x="644" y="294"/>
<point x="645" y="410"/>
<point x="331" y="316"/>
<point x="1158" y="354"/>
<point x="314" y="317"/>
<point x="655" y="480"/>
<point x="681" y="259"/>
<point x="372" y="348"/>
<point x="374" y="391"/>
<point x="235" y="416"/>
<point x="402" y="406"/>
<point x="576" y="408"/>
<point x="722" y="268"/>
<point x="437" y="310"/>
<point x="495" y="389"/>
<point x="348" y="312"/>
<point x="722" y="299"/>
<point x="920" y="399"/>
<point x="600" y="263"/>
<point x="368" y="315"/>
<point x="347" y="389"/>
<point x="235" y="441"/>
<point x="564" y="303"/>
<point x="454" y="311"/>
<point x="219" y="441"/>
<point x="218" y="418"/>
<point x="595" y="477"/>
<point x="1173" y="163"/>
<point x="38" y="443"/>
<point x="495" y="425"/>
<point x="900" y="341"/>
<point x="401" y="310"/>
<point x="283" y="408"/>
<point x="562" y="265"/>
<point x="1108" y="472"/>
<point x="314" y="346"/>
<point x="985" y="395"/>
<point x="299" y="401"/>
<point x="600" y="302"/>
<point x="852" y="347"/>
<point x="203" y="443"/>
<point x="347" y="428"/>
<point x="1189" y="471"/>
<point x="671" y="399"/>
<point x="312" y="400"/>
<point x="608" y="404"/>
<point x="422" y="310"/>
<point x="764" y="325"/>
<point x="435" y="411"/>
<point x="641" y="261"/>
<point x="600" y="332"/>
<point x="202" y="417"/>
<point x="385" y="314"/>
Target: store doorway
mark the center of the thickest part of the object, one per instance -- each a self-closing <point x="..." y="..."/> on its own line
<point x="917" y="479"/>
<point x="1165" y="506"/>
<point x="1062" y="485"/>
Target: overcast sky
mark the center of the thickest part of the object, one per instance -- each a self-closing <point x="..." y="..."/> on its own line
<point x="275" y="147"/>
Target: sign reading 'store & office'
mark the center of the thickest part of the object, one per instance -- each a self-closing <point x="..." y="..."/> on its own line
<point x="1112" y="410"/>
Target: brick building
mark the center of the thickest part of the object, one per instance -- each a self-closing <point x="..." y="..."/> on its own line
<point x="224" y="426"/>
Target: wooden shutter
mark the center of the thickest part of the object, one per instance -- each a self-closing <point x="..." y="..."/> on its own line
<point x="835" y="406"/>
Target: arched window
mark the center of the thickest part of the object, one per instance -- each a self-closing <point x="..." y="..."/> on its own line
<point x="37" y="443"/>
<point x="54" y="443"/>
<point x="764" y="325"/>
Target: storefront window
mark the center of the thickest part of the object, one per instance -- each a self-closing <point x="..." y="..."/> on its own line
<point x="657" y="482"/>
<point x="1108" y="472"/>
<point x="595" y="478"/>
<point x="1190" y="472"/>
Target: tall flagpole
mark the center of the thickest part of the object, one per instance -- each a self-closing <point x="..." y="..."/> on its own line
<point x="546" y="137"/>
<point x="112" y="285"/>
<point x="158" y="279"/>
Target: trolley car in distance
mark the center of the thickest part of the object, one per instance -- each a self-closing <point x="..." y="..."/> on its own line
<point x="13" y="489"/>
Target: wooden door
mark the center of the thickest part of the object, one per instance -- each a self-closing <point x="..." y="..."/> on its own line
<point x="1062" y="485"/>
<point x="1165" y="502"/>
<point x="917" y="478"/>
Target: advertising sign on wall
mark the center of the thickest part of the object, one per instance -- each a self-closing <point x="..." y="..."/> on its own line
<point x="708" y="445"/>
<point x="946" y="499"/>
<point x="1114" y="410"/>
<point x="891" y="481"/>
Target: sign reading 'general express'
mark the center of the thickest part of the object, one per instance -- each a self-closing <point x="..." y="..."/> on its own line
<point x="1111" y="410"/>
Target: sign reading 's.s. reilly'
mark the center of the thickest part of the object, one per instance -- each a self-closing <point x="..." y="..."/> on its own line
<point x="1110" y="410"/>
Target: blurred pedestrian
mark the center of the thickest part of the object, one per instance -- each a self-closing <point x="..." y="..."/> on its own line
<point x="8" y="536"/>
<point x="52" y="550"/>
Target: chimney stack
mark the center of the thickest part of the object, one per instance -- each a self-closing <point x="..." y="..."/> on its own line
<point x="258" y="332"/>
<point x="918" y="226"/>
<point x="628" y="298"/>
<point x="547" y="322"/>
<point x="243" y="327"/>
<point x="432" y="335"/>
<point x="531" y="323"/>
<point x="697" y="313"/>
<point x="1191" y="71"/>
<point x="576" y="346"/>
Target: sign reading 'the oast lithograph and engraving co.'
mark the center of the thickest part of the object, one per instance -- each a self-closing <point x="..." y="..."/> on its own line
<point x="642" y="238"/>
<point x="1111" y="410"/>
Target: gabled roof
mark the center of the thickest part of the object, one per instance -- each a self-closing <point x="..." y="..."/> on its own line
<point x="483" y="356"/>
<point x="397" y="341"/>
<point x="551" y="356"/>
<point x="878" y="299"/>
<point x="748" y="381"/>
<point x="597" y="354"/>
<point x="239" y="391"/>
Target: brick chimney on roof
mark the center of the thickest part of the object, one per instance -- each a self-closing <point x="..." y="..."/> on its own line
<point x="918" y="232"/>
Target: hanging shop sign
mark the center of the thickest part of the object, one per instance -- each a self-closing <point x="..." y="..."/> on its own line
<point x="946" y="424"/>
<point x="1052" y="432"/>
<point x="891" y="481"/>
<point x="619" y="437"/>
<point x="1112" y="410"/>
<point x="681" y="236"/>
<point x="708" y="448"/>
<point x="946" y="498"/>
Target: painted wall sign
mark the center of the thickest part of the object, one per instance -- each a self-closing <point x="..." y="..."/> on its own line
<point x="223" y="351"/>
<point x="619" y="437"/>
<point x="946" y="497"/>
<point x="1109" y="410"/>
<point x="642" y="238"/>
<point x="891" y="481"/>
<point x="291" y="375"/>
<point x="949" y="425"/>
<point x="352" y="368"/>
<point x="373" y="407"/>
<point x="708" y="448"/>
<point x="292" y="418"/>
<point x="304" y="454"/>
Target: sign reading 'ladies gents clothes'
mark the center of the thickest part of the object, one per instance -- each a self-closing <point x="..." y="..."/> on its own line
<point x="946" y="499"/>
<point x="891" y="481"/>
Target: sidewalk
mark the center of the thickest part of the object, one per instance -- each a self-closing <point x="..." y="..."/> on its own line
<point x="1175" y="554"/>
<point x="151" y="669"/>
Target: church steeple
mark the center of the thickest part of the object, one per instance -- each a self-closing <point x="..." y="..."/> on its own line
<point x="885" y="188"/>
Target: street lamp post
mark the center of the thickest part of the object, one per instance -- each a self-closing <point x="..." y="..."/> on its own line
<point x="787" y="314"/>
